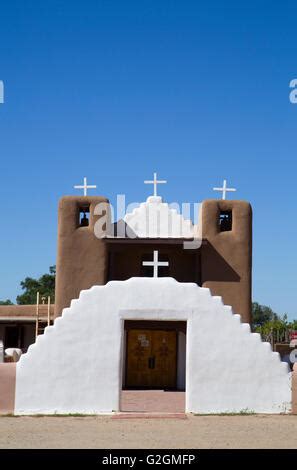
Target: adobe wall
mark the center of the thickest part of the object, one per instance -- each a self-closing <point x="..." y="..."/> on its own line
<point x="81" y="256"/>
<point x="226" y="260"/>
<point x="7" y="387"/>
<point x="24" y="312"/>
<point x="80" y="358"/>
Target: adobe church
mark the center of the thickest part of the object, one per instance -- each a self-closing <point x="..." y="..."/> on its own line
<point x="152" y="301"/>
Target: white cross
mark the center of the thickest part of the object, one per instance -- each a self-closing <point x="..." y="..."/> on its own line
<point x="224" y="189"/>
<point x="85" y="186"/>
<point x="156" y="263"/>
<point x="155" y="182"/>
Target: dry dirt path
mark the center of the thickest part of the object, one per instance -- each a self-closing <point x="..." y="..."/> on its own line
<point x="256" y="431"/>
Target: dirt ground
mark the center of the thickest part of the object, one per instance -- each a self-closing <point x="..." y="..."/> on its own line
<point x="250" y="431"/>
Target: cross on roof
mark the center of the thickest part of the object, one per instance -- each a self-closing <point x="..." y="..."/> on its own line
<point x="155" y="263"/>
<point x="85" y="186"/>
<point x="155" y="182"/>
<point x="224" y="189"/>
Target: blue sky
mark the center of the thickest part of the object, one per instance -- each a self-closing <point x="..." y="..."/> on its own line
<point x="114" y="90"/>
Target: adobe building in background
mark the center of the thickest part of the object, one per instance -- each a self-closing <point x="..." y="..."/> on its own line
<point x="222" y="262"/>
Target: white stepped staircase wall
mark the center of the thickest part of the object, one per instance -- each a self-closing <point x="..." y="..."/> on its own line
<point x="76" y="366"/>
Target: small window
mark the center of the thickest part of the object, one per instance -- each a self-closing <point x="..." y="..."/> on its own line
<point x="84" y="216"/>
<point x="225" y="221"/>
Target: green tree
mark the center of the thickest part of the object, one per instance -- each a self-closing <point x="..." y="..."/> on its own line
<point x="293" y="325"/>
<point x="270" y="325"/>
<point x="275" y="330"/>
<point x="45" y="285"/>
<point x="6" y="302"/>
<point x="277" y="325"/>
<point x="261" y="314"/>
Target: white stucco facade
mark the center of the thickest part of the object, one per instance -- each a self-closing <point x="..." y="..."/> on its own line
<point x="157" y="219"/>
<point x="77" y="365"/>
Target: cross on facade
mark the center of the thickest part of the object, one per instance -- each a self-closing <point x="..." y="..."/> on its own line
<point x="85" y="186"/>
<point x="155" y="263"/>
<point x="224" y="189"/>
<point x="155" y="182"/>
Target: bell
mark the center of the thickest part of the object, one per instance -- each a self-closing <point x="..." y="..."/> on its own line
<point x="84" y="221"/>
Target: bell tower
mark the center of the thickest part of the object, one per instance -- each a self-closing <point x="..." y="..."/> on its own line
<point x="82" y="257"/>
<point x="226" y="257"/>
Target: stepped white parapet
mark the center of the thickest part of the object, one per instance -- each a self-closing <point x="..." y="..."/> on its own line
<point x="76" y="366"/>
<point x="157" y="219"/>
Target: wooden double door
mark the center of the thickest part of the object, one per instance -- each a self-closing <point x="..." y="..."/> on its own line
<point x="151" y="358"/>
